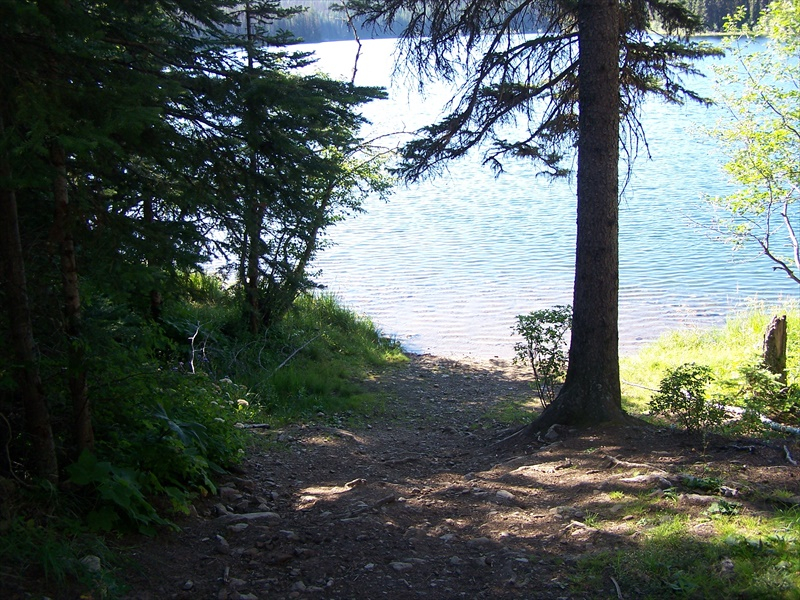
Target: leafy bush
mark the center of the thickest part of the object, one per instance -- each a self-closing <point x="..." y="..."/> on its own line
<point x="544" y="347"/>
<point x="682" y="395"/>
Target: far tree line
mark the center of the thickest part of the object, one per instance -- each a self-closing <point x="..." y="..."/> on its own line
<point x="323" y="20"/>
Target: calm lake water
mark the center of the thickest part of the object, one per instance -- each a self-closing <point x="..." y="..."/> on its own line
<point x="445" y="265"/>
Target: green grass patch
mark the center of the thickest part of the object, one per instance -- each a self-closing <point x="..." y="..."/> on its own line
<point x="313" y="362"/>
<point x="725" y="350"/>
<point x="746" y="557"/>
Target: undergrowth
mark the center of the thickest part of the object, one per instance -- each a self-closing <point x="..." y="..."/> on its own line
<point x="169" y="400"/>
<point x="730" y="356"/>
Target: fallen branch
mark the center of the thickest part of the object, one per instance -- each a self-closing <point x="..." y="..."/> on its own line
<point x="616" y="585"/>
<point x="789" y="456"/>
<point x="773" y="425"/>
<point x="615" y="462"/>
<point x="293" y="354"/>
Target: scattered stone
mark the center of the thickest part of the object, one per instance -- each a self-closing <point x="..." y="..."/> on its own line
<point x="727" y="567"/>
<point x="236" y="584"/>
<point x="728" y="492"/>
<point x="238" y="527"/>
<point x="481" y="542"/>
<point x="553" y="433"/>
<point x="401" y="567"/>
<point x="698" y="499"/>
<point x="298" y="586"/>
<point x="505" y="496"/>
<point x="222" y="547"/>
<point x="229" y="494"/>
<point x="92" y="563"/>
<point x="188" y="585"/>
<point x="256" y="516"/>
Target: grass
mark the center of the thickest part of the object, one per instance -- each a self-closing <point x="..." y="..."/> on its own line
<point x="312" y="364"/>
<point x="745" y="557"/>
<point x="724" y="349"/>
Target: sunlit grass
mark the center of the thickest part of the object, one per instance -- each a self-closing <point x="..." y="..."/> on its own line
<point x="744" y="556"/>
<point x="724" y="349"/>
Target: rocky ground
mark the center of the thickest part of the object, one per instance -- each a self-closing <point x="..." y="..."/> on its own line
<point x="418" y="503"/>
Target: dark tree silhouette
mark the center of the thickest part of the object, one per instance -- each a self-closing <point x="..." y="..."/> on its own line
<point x="573" y="83"/>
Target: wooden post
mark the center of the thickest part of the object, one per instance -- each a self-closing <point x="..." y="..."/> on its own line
<point x="774" y="357"/>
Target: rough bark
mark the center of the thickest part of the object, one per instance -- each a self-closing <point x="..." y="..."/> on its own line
<point x="37" y="414"/>
<point x="76" y="359"/>
<point x="774" y="357"/>
<point x="591" y="391"/>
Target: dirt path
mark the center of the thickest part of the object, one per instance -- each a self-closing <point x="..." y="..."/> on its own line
<point x="416" y="504"/>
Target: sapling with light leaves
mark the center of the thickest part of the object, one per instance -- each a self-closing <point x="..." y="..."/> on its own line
<point x="544" y="348"/>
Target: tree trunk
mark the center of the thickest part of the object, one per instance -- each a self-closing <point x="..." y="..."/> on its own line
<point x="591" y="391"/>
<point x="774" y="357"/>
<point x="37" y="415"/>
<point x="76" y="355"/>
<point x="253" y="235"/>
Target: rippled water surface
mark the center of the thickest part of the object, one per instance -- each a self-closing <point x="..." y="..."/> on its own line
<point x="446" y="264"/>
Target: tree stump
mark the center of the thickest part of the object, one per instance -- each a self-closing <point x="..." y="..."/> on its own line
<point x="774" y="356"/>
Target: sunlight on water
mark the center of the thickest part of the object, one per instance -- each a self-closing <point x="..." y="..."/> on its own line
<point x="446" y="264"/>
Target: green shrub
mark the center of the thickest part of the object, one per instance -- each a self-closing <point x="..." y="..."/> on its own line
<point x="544" y="348"/>
<point x="682" y="396"/>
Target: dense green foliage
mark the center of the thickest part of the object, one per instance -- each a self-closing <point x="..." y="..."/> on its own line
<point x="688" y="372"/>
<point x="760" y="137"/>
<point x="139" y="141"/>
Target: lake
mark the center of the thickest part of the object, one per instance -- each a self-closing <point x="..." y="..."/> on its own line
<point x="445" y="265"/>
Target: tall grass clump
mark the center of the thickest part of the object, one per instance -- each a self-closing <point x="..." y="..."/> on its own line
<point x="730" y="352"/>
<point x="312" y="361"/>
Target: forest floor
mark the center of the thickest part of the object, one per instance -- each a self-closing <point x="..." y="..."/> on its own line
<point x="417" y="502"/>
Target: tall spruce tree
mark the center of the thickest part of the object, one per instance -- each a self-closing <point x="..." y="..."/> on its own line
<point x="584" y="71"/>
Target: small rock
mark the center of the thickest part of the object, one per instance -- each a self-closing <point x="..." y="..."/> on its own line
<point x="222" y="546"/>
<point x="369" y="567"/>
<point x="505" y="496"/>
<point x="238" y="527"/>
<point x="447" y="537"/>
<point x="553" y="433"/>
<point x="401" y="567"/>
<point x="92" y="563"/>
<point x="236" y="584"/>
<point x="455" y="561"/>
<point x="188" y="585"/>
<point x="480" y="542"/>
<point x="727" y="567"/>
<point x="298" y="586"/>
<point x="698" y="499"/>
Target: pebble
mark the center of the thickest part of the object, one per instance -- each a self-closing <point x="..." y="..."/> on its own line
<point x="401" y="567"/>
<point x="92" y="563"/>
<point x="505" y="495"/>
<point x="480" y="542"/>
